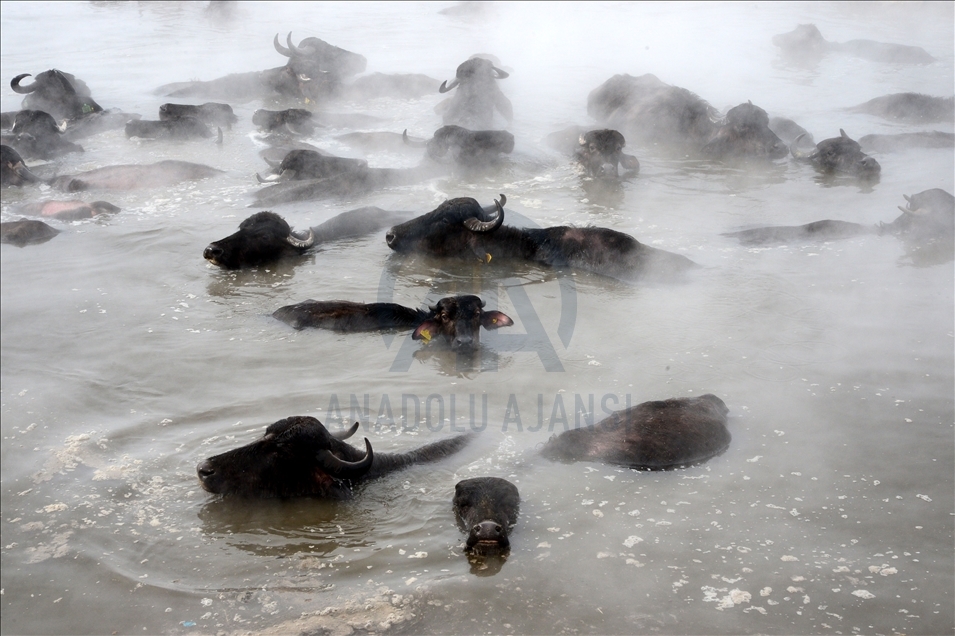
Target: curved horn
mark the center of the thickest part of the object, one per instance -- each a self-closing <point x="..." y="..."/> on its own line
<point x="305" y="50"/>
<point x="796" y="153"/>
<point x="270" y="179"/>
<point x="219" y="136"/>
<point x="907" y="198"/>
<point x="341" y="469"/>
<point x="272" y="162"/>
<point x="843" y="134"/>
<point x="413" y="144"/>
<point x="23" y="90"/>
<point x="500" y="74"/>
<point x="343" y="435"/>
<point x="483" y="227"/>
<point x="445" y="87"/>
<point x="281" y="49"/>
<point x="302" y="243"/>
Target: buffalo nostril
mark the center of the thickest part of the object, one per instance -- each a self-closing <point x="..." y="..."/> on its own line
<point x="390" y="238"/>
<point x="205" y="470"/>
<point x="212" y="252"/>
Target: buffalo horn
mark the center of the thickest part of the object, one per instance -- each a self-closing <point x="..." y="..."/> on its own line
<point x="341" y="469"/>
<point x="343" y="435"/>
<point x="499" y="73"/>
<point x="281" y="49"/>
<point x="475" y="225"/>
<point x="445" y="87"/>
<point x="796" y="153"/>
<point x="270" y="179"/>
<point x="907" y="198"/>
<point x="415" y="144"/>
<point x="305" y="50"/>
<point x="302" y="243"/>
<point x="23" y="90"/>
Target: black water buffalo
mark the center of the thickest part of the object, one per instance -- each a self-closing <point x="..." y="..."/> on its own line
<point x="297" y="121"/>
<point x="486" y="508"/>
<point x="467" y="148"/>
<point x="57" y="93"/>
<point x="67" y="210"/>
<point x="180" y="129"/>
<point x="13" y="172"/>
<point x="928" y="217"/>
<point x="658" y="435"/>
<point x="806" y="44"/>
<point x="26" y="232"/>
<point x="461" y="228"/>
<point x="904" y="141"/>
<point x="298" y="457"/>
<point x="914" y="108"/>
<point x="600" y="153"/>
<point x="649" y="111"/>
<point x="788" y="130"/>
<point x="348" y="183"/>
<point x="839" y="155"/>
<point x="265" y="237"/>
<point x="313" y="72"/>
<point x="477" y="97"/>
<point x="211" y="113"/>
<point x="456" y="319"/>
<point x="299" y="165"/>
<point x="132" y="176"/>
<point x="35" y="134"/>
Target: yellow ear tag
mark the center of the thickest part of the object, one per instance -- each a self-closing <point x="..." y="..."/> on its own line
<point x="308" y="101"/>
<point x="487" y="257"/>
<point x="494" y="320"/>
<point x="425" y="335"/>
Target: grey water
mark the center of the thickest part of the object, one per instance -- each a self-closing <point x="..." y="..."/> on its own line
<point x="127" y="359"/>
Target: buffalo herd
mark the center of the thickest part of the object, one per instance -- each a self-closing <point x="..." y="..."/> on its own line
<point x="297" y="456"/>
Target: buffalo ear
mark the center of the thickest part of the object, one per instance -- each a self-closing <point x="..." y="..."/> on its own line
<point x="425" y="331"/>
<point x="495" y="320"/>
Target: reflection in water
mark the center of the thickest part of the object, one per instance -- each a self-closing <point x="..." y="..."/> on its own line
<point x="487" y="565"/>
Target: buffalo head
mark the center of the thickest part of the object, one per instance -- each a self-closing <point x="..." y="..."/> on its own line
<point x="600" y="152"/>
<point x="12" y="169"/>
<point x="58" y="93"/>
<point x="745" y="134"/>
<point x="478" y="95"/>
<point x="262" y="238"/>
<point x="447" y="230"/>
<point x="297" y="457"/>
<point x="459" y="319"/>
<point x="486" y="508"/>
<point x="840" y="155"/>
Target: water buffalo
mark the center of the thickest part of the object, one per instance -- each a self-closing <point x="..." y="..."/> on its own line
<point x="904" y="141"/>
<point x="806" y="44"/>
<point x="26" y="232"/>
<point x="788" y="130"/>
<point x="658" y="435"/>
<point x="486" y="508"/>
<point x="313" y="72"/>
<point x="456" y="319"/>
<point x="57" y="93"/>
<point x="67" y="210"/>
<point x="265" y="237"/>
<point x="299" y="165"/>
<point x="211" y="113"/>
<point x="477" y="97"/>
<point x="914" y="108"/>
<point x="181" y="129"/>
<point x="927" y="217"/>
<point x="297" y="121"/>
<point x="13" y="172"/>
<point x="840" y="155"/>
<point x="650" y="111"/>
<point x="298" y="457"/>
<point x="347" y="183"/>
<point x="600" y="152"/>
<point x="35" y="134"/>
<point x="467" y="148"/>
<point x="461" y="228"/>
<point x="131" y="177"/>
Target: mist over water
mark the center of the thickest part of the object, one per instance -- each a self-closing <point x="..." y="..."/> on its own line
<point x="126" y="359"/>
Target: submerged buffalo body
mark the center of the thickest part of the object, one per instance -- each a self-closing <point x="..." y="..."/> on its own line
<point x="298" y="457"/>
<point x="914" y="108"/>
<point x="462" y="228"/>
<point x="806" y="44"/>
<point x="57" y="93"/>
<point x="130" y="177"/>
<point x="265" y="237"/>
<point x="348" y="183"/>
<point x="657" y="435"/>
<point x="181" y="128"/>
<point x="841" y="155"/>
<point x="67" y="210"/>
<point x="35" y="134"/>
<point x="211" y="113"/>
<point x="297" y="121"/>
<point x="456" y="319"/>
<point x="26" y="232"/>
<point x="653" y="112"/>
<point x="486" y="509"/>
<point x="13" y="172"/>
<point x="299" y="165"/>
<point x="904" y="141"/>
<point x="468" y="148"/>
<point x="477" y="96"/>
